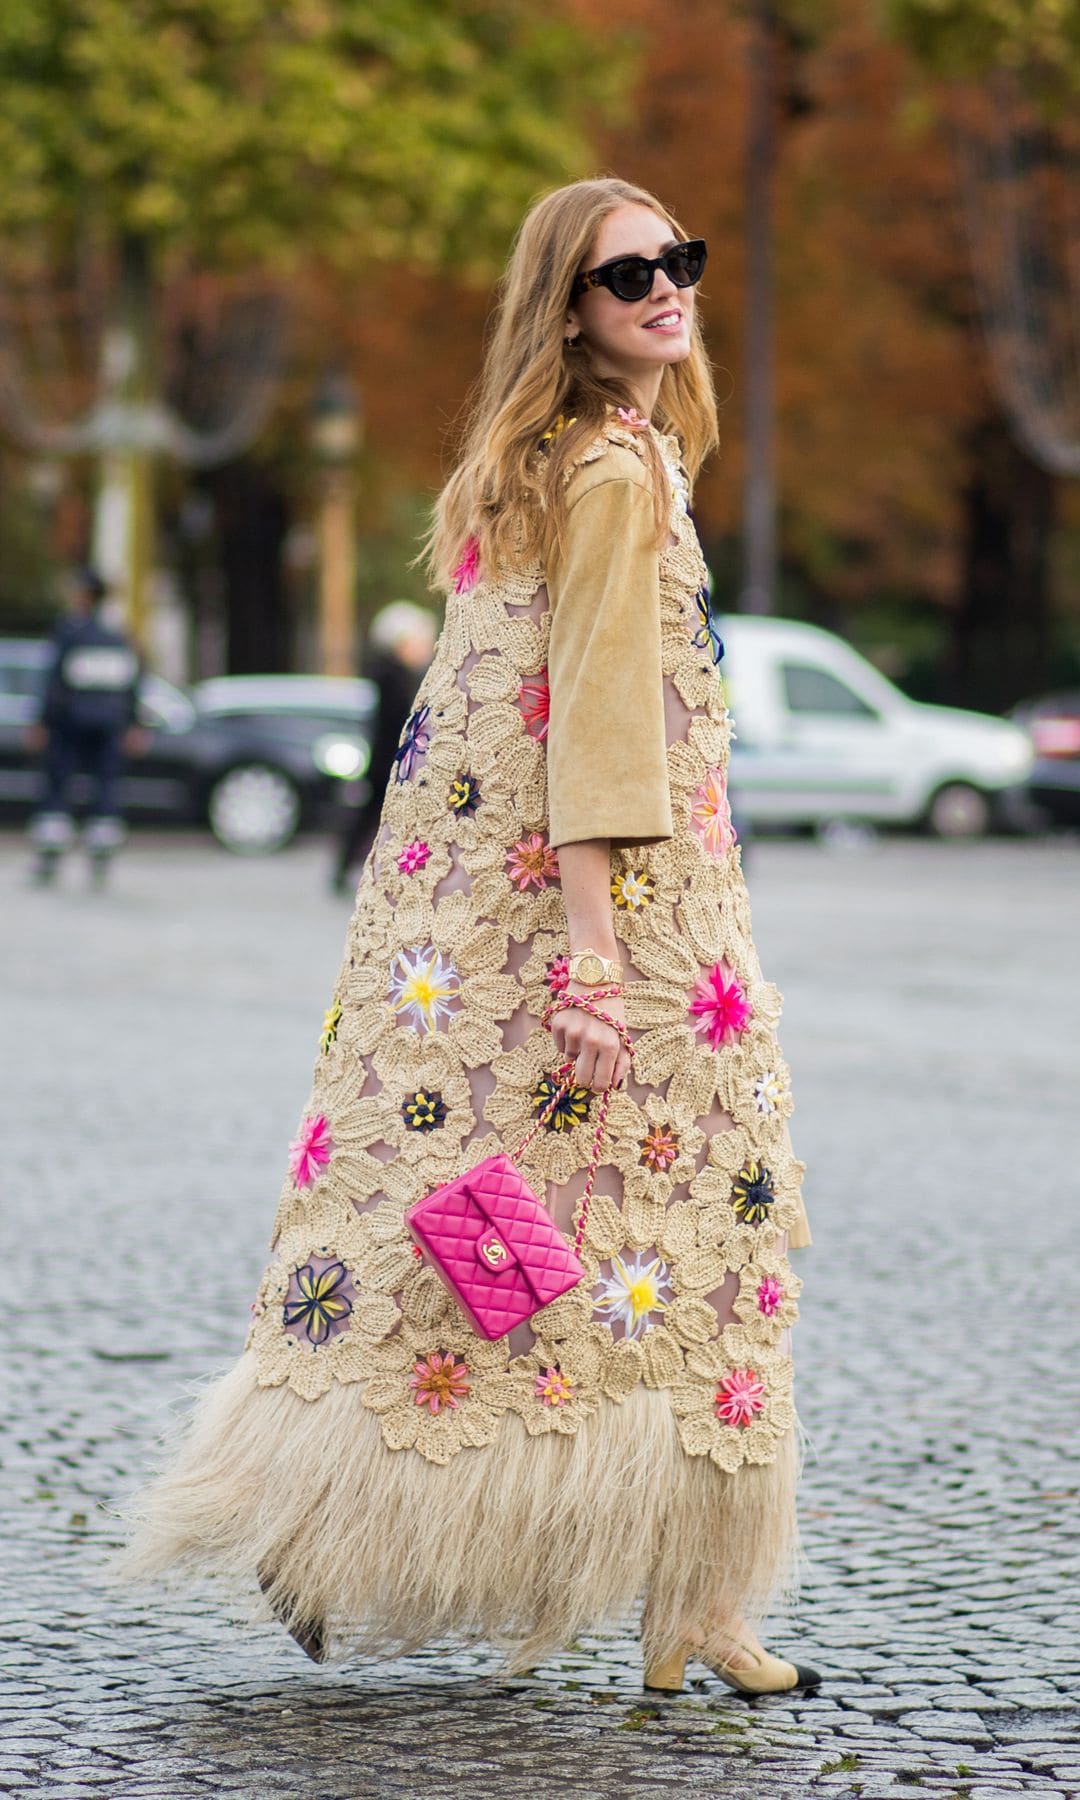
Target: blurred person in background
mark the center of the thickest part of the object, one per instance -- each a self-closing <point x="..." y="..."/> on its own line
<point x="86" y="728"/>
<point x="399" y="648"/>
<point x="384" y="1465"/>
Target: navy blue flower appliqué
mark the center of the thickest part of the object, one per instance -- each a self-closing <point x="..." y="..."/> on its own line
<point x="315" y="1300"/>
<point x="424" y="1111"/>
<point x="414" y="741"/>
<point x="464" y="795"/>
<point x="706" y="637"/>
<point x="569" y="1111"/>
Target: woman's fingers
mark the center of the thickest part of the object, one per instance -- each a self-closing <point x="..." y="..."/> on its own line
<point x="599" y="1058"/>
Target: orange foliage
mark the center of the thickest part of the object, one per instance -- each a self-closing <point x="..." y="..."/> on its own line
<point x="879" y="370"/>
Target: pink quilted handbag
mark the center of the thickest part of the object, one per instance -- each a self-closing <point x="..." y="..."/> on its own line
<point x="493" y="1243"/>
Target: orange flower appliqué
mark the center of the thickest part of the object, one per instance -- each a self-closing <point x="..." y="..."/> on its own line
<point x="710" y="814"/>
<point x="532" y="863"/>
<point x="659" y="1148"/>
<point x="439" y="1381"/>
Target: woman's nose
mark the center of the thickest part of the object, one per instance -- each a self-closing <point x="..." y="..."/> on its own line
<point x="663" y="288"/>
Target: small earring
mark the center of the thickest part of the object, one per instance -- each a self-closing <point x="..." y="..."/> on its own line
<point x="570" y="340"/>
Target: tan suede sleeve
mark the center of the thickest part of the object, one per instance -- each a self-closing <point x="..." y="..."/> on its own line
<point x="606" y="743"/>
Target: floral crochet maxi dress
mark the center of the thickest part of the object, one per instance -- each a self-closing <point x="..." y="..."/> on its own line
<point x="387" y="1470"/>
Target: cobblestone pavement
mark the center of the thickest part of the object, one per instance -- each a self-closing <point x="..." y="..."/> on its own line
<point x="158" y="1039"/>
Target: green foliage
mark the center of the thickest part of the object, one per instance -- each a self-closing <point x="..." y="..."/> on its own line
<point x="1039" y="40"/>
<point x="269" y="129"/>
<point x="27" y="600"/>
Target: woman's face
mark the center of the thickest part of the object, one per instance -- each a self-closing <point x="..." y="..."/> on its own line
<point x="634" y="339"/>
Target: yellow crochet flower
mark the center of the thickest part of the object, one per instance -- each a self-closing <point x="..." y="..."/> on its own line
<point x="561" y="424"/>
<point x="331" y="1021"/>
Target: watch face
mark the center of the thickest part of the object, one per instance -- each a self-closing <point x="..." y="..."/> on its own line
<point x="590" y="969"/>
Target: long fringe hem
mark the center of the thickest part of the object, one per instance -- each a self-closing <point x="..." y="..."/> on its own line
<point x="524" y="1545"/>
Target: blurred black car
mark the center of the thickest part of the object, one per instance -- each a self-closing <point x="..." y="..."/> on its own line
<point x="256" y="757"/>
<point x="1053" y="724"/>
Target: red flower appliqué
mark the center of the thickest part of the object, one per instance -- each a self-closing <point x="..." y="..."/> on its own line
<point x="739" y="1397"/>
<point x="534" y="699"/>
<point x="720" y="1006"/>
<point x="557" y="974"/>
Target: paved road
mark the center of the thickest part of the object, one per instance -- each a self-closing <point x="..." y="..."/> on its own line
<point x="157" y="1043"/>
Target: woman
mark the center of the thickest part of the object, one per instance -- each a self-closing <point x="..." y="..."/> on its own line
<point x="557" y="826"/>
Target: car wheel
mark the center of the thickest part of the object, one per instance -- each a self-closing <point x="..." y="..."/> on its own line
<point x="959" y="810"/>
<point x="254" y="809"/>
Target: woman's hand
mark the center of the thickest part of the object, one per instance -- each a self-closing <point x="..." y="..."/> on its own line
<point x="596" y="1048"/>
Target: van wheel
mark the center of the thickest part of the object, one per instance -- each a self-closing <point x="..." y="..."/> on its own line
<point x="959" y="810"/>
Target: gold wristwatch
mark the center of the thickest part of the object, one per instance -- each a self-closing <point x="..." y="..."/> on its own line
<point x="593" y="970"/>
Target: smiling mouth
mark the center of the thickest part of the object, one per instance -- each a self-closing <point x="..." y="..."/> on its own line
<point x="665" y="318"/>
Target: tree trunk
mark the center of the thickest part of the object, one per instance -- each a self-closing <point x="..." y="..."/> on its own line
<point x="759" y="585"/>
<point x="1002" y="630"/>
<point x="252" y="523"/>
<point x="124" y="531"/>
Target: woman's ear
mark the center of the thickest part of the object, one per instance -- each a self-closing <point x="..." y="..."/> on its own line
<point x="571" y="330"/>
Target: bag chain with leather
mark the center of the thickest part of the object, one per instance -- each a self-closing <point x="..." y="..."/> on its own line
<point x="489" y="1238"/>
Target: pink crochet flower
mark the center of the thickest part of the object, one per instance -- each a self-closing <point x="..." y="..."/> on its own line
<point x="534" y="699"/>
<point x="553" y="1387"/>
<point x="310" y="1150"/>
<point x="467" y="573"/>
<point x="632" y="419"/>
<point x="739" y="1396"/>
<point x="770" y="1296"/>
<point x="532" y="863"/>
<point x="413" y="856"/>
<point x="710" y="814"/>
<point x="720" y="1006"/>
<point x="439" y="1381"/>
<point x="558" y="974"/>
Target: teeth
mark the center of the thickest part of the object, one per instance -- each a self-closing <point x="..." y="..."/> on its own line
<point x="671" y="318"/>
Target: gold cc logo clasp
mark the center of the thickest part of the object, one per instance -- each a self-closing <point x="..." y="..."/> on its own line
<point x="494" y="1253"/>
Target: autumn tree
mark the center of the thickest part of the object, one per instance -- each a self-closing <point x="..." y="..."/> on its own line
<point x="1037" y="40"/>
<point x="1020" y="189"/>
<point x="366" y="133"/>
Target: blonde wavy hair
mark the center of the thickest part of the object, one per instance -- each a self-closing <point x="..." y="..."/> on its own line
<point x="503" y="493"/>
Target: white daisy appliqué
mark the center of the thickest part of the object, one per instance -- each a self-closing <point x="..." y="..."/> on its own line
<point x="424" y="986"/>
<point x="634" y="1291"/>
<point x="769" y="1092"/>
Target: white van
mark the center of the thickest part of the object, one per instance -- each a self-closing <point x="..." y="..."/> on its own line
<point x="821" y="735"/>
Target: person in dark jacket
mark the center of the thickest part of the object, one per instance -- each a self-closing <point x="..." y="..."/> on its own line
<point x="399" y="648"/>
<point x="87" y="725"/>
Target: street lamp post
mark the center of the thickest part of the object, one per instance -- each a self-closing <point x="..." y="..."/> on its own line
<point x="336" y="428"/>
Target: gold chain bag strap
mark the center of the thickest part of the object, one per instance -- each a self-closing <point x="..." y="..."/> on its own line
<point x="492" y="1242"/>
